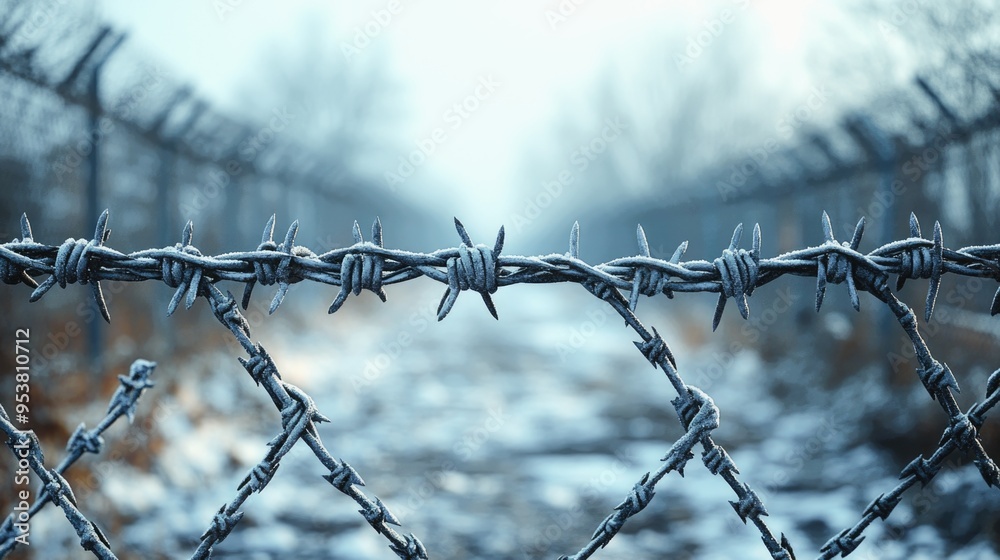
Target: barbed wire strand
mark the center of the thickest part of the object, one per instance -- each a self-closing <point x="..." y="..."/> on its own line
<point x="123" y="403"/>
<point x="479" y="268"/>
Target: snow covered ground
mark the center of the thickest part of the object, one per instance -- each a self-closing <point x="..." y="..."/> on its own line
<point x="504" y="439"/>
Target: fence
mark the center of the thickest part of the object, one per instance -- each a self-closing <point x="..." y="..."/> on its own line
<point x="93" y="118"/>
<point x="63" y="74"/>
<point x="928" y="147"/>
<point x="368" y="265"/>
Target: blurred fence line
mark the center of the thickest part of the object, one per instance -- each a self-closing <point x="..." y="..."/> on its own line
<point x="369" y="265"/>
<point x="931" y="148"/>
<point x="89" y="119"/>
<point x="82" y="98"/>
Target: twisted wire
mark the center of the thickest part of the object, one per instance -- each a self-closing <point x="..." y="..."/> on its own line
<point x="55" y="487"/>
<point x="482" y="269"/>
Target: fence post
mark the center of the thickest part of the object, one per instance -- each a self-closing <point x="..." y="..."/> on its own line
<point x="232" y="237"/>
<point x="94" y="334"/>
<point x="164" y="221"/>
<point x="880" y="145"/>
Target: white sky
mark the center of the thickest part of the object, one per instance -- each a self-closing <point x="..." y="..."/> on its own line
<point x="439" y="50"/>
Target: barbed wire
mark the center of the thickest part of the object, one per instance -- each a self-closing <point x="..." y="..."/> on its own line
<point x="369" y="265"/>
<point x="55" y="487"/>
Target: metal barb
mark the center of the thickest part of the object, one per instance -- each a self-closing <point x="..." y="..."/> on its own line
<point x="738" y="272"/>
<point x="836" y="267"/>
<point x="574" y="241"/>
<point x="476" y="269"/>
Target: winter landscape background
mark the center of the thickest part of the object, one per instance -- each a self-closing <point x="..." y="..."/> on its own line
<point x="510" y="438"/>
